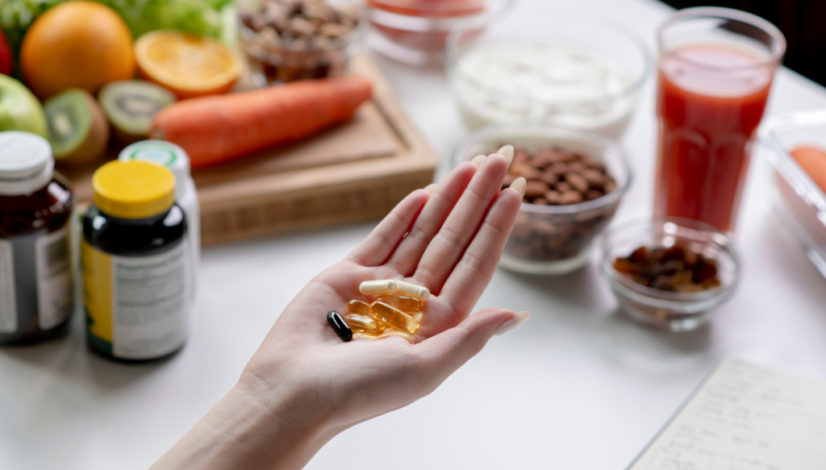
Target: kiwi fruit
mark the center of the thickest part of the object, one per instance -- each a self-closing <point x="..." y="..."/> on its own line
<point x="77" y="127"/>
<point x="130" y="106"/>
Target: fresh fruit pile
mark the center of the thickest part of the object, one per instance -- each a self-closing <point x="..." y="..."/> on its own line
<point x="65" y="63"/>
<point x="203" y="17"/>
<point x="80" y="59"/>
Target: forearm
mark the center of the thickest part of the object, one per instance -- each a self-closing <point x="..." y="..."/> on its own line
<point x="240" y="432"/>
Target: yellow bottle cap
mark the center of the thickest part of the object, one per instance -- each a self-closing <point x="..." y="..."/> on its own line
<point x="134" y="189"/>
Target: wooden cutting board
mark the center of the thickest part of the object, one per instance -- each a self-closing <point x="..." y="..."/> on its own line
<point x="356" y="171"/>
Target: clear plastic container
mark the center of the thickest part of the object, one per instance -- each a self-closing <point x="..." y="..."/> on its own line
<point x="801" y="204"/>
<point x="674" y="311"/>
<point x="415" y="31"/>
<point x="554" y="239"/>
<point x="571" y="69"/>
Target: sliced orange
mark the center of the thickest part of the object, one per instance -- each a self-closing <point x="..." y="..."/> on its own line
<point x="186" y="64"/>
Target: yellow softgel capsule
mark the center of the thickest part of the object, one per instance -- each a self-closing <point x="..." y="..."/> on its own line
<point x="364" y="324"/>
<point x="405" y="304"/>
<point x="394" y="318"/>
<point x="357" y="306"/>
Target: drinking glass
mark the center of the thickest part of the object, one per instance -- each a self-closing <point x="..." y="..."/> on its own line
<point x="716" y="67"/>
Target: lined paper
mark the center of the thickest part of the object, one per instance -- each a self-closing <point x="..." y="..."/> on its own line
<point x="745" y="417"/>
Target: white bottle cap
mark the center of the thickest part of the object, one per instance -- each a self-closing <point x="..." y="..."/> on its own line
<point x="26" y="163"/>
<point x="164" y="154"/>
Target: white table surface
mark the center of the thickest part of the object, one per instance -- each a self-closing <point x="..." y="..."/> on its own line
<point x="577" y="387"/>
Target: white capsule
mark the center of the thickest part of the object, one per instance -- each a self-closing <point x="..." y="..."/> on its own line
<point x="394" y="287"/>
<point x="412" y="290"/>
<point x="382" y="287"/>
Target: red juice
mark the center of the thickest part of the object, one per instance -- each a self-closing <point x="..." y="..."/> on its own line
<point x="710" y="100"/>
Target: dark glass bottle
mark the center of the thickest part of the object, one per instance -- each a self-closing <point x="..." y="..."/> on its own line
<point x="35" y="262"/>
<point x="134" y="267"/>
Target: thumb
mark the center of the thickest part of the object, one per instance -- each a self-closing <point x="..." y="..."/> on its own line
<point x="443" y="354"/>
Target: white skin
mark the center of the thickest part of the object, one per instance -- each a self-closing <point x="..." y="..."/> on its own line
<point x="304" y="385"/>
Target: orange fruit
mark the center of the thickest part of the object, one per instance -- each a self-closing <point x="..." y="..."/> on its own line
<point x="185" y="64"/>
<point x="76" y="44"/>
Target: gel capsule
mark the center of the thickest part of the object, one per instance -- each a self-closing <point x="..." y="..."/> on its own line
<point x="340" y="326"/>
<point x="400" y="302"/>
<point x="364" y="324"/>
<point x="359" y="307"/>
<point x="394" y="318"/>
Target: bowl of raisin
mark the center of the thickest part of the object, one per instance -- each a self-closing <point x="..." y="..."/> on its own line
<point x="669" y="273"/>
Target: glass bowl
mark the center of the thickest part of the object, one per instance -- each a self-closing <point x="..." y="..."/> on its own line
<point x="572" y="69"/>
<point x="415" y="31"/>
<point x="674" y="311"/>
<point x="554" y="239"/>
<point x="272" y="61"/>
<point x="801" y="204"/>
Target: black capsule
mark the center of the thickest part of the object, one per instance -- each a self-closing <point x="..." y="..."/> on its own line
<point x="340" y="326"/>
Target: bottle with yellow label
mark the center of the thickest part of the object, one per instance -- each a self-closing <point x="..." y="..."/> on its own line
<point x="133" y="257"/>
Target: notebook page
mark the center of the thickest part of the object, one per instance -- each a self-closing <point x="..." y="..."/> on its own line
<point x="745" y="417"/>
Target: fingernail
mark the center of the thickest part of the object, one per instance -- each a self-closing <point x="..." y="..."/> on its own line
<point x="519" y="184"/>
<point x="513" y="323"/>
<point x="431" y="188"/>
<point x="478" y="159"/>
<point x="507" y="152"/>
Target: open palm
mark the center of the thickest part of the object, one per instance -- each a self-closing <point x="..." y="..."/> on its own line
<point x="449" y="242"/>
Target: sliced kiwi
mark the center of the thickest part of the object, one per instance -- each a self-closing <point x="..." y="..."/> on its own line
<point x="130" y="106"/>
<point x="77" y="127"/>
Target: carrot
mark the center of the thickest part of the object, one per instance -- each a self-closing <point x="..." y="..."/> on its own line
<point x="813" y="162"/>
<point x="217" y="129"/>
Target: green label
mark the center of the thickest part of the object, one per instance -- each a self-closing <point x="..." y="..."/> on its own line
<point x="158" y="155"/>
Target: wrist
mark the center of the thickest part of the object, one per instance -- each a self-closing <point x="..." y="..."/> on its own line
<point x="251" y="428"/>
<point x="276" y="411"/>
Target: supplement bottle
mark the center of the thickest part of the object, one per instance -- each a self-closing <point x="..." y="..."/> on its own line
<point x="133" y="257"/>
<point x="175" y="158"/>
<point x="35" y="266"/>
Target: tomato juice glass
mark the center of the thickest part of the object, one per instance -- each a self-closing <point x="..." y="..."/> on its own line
<point x="716" y="67"/>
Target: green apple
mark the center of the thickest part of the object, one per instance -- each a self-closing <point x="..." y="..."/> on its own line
<point x="19" y="109"/>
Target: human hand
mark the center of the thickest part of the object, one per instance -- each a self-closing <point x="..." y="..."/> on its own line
<point x="304" y="379"/>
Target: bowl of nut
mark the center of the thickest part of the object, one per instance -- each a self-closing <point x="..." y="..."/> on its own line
<point x="290" y="40"/>
<point x="576" y="180"/>
<point x="669" y="273"/>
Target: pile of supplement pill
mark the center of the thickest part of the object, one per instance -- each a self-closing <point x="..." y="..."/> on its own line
<point x="394" y="306"/>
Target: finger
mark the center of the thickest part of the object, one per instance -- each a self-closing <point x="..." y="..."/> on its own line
<point x="439" y="356"/>
<point x="448" y="245"/>
<point x="472" y="274"/>
<point x="381" y="242"/>
<point x="407" y="255"/>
